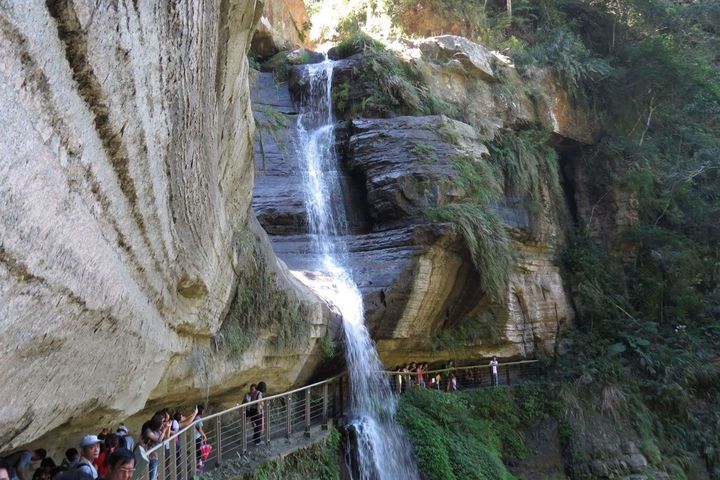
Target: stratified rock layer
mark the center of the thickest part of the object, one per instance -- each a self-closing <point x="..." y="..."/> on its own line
<point x="125" y="185"/>
<point x="415" y="275"/>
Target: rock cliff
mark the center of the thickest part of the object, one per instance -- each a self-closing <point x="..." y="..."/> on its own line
<point x="125" y="186"/>
<point x="415" y="274"/>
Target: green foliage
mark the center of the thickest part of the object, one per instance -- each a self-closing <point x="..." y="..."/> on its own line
<point x="564" y="51"/>
<point x="486" y="237"/>
<point x="279" y="65"/>
<point x="529" y="166"/>
<point x="261" y="307"/>
<point x="484" y="328"/>
<point x="388" y="84"/>
<point x="467" y="435"/>
<point x="318" y="462"/>
<point x="487" y="240"/>
<point x="357" y="42"/>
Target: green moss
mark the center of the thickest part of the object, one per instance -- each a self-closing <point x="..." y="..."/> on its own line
<point x="328" y="347"/>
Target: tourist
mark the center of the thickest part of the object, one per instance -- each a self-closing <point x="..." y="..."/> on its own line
<point x="420" y="377"/>
<point x="494" y="370"/>
<point x="71" y="458"/>
<point x="42" y="474"/>
<point x="254" y="412"/>
<point x="126" y="440"/>
<point x="153" y="432"/>
<point x="20" y="460"/>
<point x="406" y="374"/>
<point x="399" y="379"/>
<point x="453" y="383"/>
<point x="200" y="436"/>
<point x="89" y="451"/>
<point x="112" y="442"/>
<point x="262" y="388"/>
<point x="4" y="470"/>
<point x="121" y="465"/>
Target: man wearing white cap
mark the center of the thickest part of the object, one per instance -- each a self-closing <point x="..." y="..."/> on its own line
<point x="89" y="451"/>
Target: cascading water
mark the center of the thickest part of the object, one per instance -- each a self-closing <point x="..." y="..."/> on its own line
<point x="382" y="450"/>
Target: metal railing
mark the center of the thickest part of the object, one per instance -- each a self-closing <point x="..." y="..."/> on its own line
<point x="466" y="377"/>
<point x="232" y="432"/>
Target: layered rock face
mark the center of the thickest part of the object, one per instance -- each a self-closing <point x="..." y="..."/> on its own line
<point x="125" y="188"/>
<point x="416" y="275"/>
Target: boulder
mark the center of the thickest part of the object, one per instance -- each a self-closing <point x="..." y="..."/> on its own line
<point x="282" y="26"/>
<point x="458" y="53"/>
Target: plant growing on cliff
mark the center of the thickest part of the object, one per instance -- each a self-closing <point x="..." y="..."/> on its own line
<point x="529" y="167"/>
<point x="485" y="235"/>
<point x="261" y="307"/>
<point x="487" y="240"/>
<point x="469" y="434"/>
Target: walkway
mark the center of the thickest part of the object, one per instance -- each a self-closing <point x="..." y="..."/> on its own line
<point x="293" y="420"/>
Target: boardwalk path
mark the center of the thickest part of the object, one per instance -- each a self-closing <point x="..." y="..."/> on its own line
<point x="294" y="420"/>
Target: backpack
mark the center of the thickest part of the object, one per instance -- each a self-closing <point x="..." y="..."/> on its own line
<point x="75" y="472"/>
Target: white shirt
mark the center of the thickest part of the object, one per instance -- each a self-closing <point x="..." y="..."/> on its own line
<point x="494" y="365"/>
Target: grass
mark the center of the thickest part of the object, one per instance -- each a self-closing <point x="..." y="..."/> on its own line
<point x="485" y="236"/>
<point x="487" y="240"/>
<point x="529" y="166"/>
<point x="261" y="305"/>
<point x="485" y="328"/>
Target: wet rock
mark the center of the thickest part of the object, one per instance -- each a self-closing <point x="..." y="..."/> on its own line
<point x="407" y="164"/>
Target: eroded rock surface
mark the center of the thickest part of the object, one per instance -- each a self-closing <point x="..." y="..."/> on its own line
<point x="125" y="186"/>
<point x="415" y="275"/>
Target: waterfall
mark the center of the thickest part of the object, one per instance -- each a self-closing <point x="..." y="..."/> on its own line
<point x="383" y="452"/>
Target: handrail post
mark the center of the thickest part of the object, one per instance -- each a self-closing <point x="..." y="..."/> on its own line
<point x="307" y="412"/>
<point x="174" y="445"/>
<point x="218" y="429"/>
<point x="243" y="430"/>
<point x="193" y="457"/>
<point x="288" y="420"/>
<point x="324" y="425"/>
<point x="266" y="421"/>
<point x="160" y="463"/>
<point x="507" y="374"/>
<point x="184" y="455"/>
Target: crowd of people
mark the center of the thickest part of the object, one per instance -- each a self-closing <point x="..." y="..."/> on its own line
<point x="109" y="455"/>
<point x="419" y="375"/>
<point x="113" y="455"/>
<point x="87" y="463"/>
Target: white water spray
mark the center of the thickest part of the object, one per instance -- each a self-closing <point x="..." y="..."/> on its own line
<point x="382" y="453"/>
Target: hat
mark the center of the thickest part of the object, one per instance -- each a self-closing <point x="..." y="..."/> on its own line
<point x="123" y="429"/>
<point x="89" y="440"/>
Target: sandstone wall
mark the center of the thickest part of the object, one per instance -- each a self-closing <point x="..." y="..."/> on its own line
<point x="124" y="181"/>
